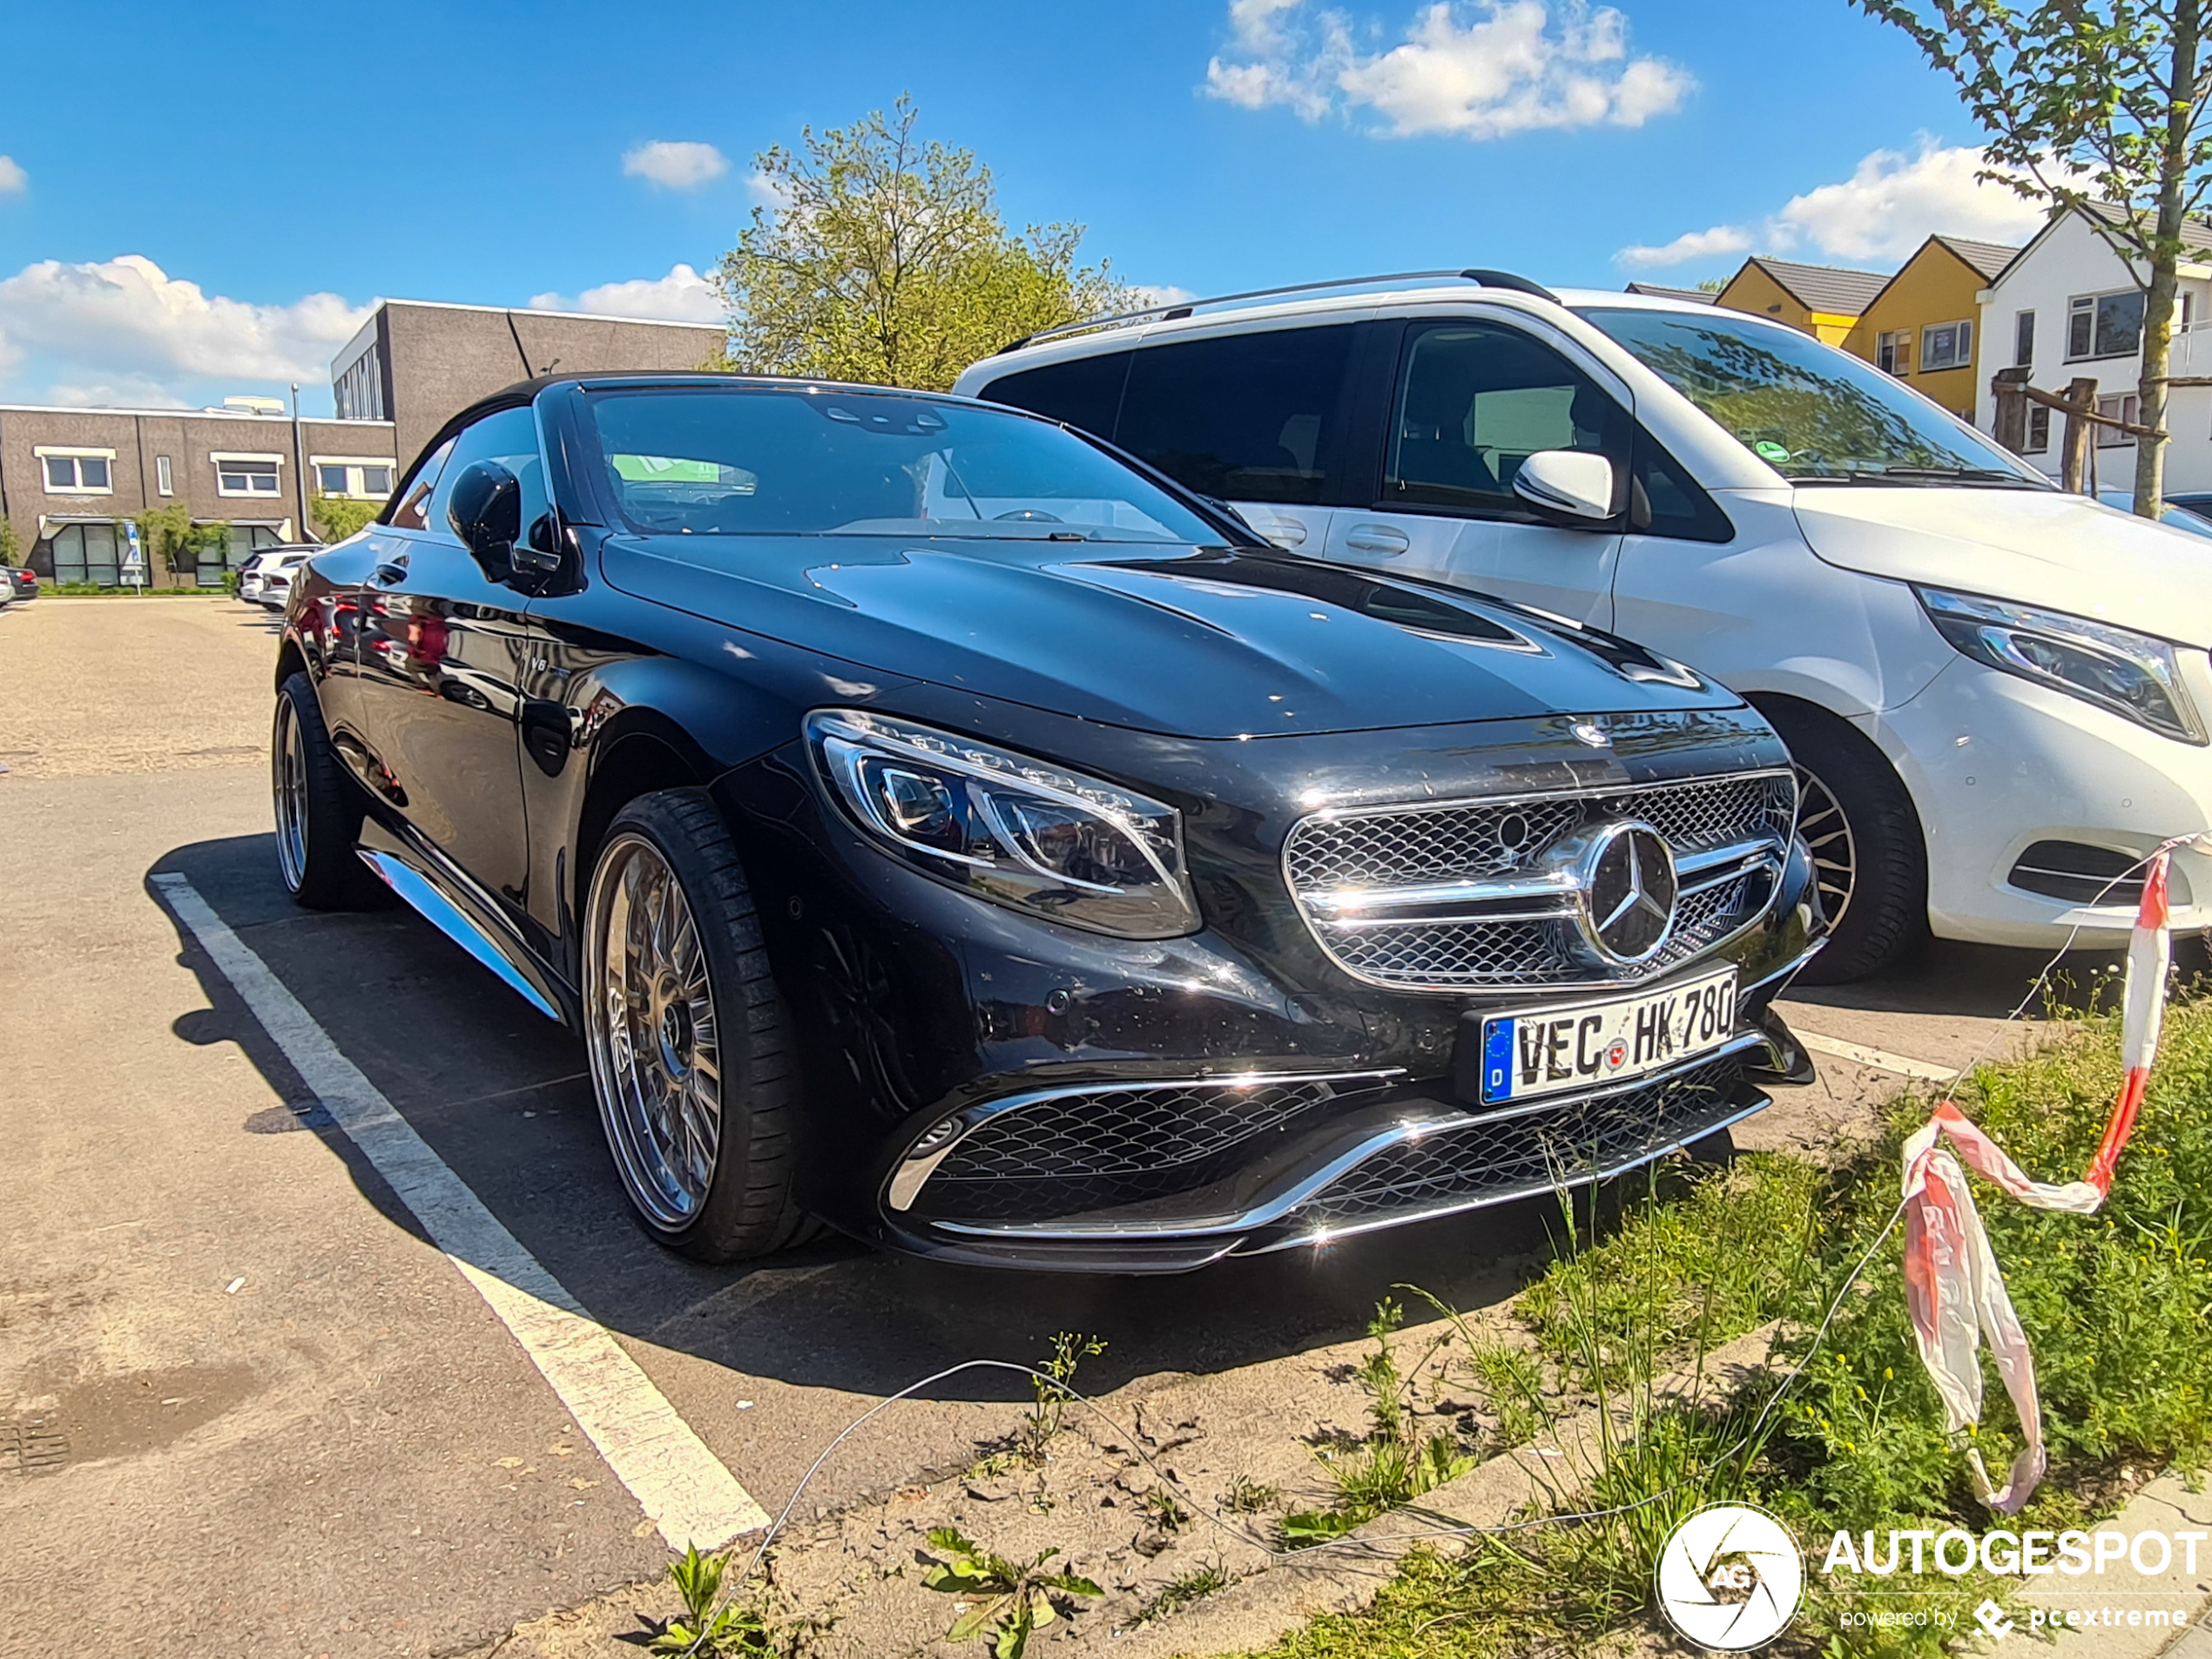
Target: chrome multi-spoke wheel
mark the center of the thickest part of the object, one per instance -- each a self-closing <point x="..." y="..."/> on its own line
<point x="656" y="1056"/>
<point x="1827" y="833"/>
<point x="288" y="785"/>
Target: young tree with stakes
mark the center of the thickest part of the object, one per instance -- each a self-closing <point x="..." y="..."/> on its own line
<point x="2091" y="104"/>
<point x="880" y="258"/>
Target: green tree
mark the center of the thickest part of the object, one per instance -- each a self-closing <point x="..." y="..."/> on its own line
<point x="10" y="544"/>
<point x="336" y="518"/>
<point x="879" y="258"/>
<point x="2091" y="104"/>
<point x="169" y="537"/>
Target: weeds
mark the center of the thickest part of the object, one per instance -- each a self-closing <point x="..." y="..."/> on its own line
<point x="1395" y="1463"/>
<point x="704" y="1631"/>
<point x="1179" y="1593"/>
<point x="1163" y="1511"/>
<point x="1042" y="1424"/>
<point x="1017" y="1599"/>
<point x="1246" y="1496"/>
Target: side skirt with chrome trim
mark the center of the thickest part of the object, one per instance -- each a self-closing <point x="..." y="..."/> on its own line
<point x="445" y="899"/>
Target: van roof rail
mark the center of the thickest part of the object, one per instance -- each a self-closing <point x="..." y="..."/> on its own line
<point x="1480" y="275"/>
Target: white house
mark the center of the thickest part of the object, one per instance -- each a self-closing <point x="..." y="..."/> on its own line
<point x="2068" y="307"/>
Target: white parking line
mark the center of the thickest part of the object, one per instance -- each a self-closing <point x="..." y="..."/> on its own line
<point x="1879" y="1059"/>
<point x="681" y="1484"/>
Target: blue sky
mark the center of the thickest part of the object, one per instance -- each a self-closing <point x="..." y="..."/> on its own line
<point x="476" y="152"/>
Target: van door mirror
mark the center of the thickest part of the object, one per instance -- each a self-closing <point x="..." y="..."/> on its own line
<point x="1569" y="483"/>
<point x="485" y="509"/>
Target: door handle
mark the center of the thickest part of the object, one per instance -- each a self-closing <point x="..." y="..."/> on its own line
<point x="1376" y="538"/>
<point x="390" y="573"/>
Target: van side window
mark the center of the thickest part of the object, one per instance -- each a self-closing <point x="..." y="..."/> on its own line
<point x="1245" y="417"/>
<point x="1084" y="392"/>
<point x="1476" y="399"/>
<point x="1665" y="501"/>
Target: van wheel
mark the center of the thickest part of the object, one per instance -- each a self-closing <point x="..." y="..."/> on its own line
<point x="1870" y="861"/>
<point x="690" y="1055"/>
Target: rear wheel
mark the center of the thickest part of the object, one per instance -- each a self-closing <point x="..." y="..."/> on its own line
<point x="690" y="1056"/>
<point x="318" y="807"/>
<point x="1870" y="859"/>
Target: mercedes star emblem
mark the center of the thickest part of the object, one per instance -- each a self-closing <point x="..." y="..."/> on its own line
<point x="1628" y="893"/>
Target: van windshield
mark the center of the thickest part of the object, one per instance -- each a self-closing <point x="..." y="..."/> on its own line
<point x="1812" y="413"/>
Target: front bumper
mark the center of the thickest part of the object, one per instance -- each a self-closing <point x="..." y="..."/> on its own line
<point x="1996" y="764"/>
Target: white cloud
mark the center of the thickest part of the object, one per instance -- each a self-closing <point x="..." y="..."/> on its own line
<point x="127" y="325"/>
<point x="1690" y="245"/>
<point x="681" y="296"/>
<point x="674" y="163"/>
<point x="1149" y="294"/>
<point x="13" y="178"/>
<point x="1891" y="203"/>
<point x="1481" y="70"/>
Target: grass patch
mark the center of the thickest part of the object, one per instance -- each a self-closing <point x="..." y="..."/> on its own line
<point x="2118" y="1307"/>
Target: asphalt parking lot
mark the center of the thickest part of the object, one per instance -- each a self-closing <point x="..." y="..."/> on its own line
<point x="247" y="1403"/>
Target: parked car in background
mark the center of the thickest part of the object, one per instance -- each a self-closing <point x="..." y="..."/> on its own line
<point x="18" y="582"/>
<point x="2178" y="516"/>
<point x="938" y="824"/>
<point x="249" y="576"/>
<point x="1997" y="695"/>
<point x="273" y="570"/>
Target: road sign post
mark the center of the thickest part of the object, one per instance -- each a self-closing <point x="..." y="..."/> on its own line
<point x="134" y="559"/>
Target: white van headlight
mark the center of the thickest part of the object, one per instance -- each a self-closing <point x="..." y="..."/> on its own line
<point x="1009" y="827"/>
<point x="2133" y="675"/>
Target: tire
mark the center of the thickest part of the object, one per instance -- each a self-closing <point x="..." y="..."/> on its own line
<point x="1869" y="853"/>
<point x="691" y="1059"/>
<point x="318" y="807"/>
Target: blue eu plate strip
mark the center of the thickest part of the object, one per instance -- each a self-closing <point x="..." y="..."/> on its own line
<point x="1497" y="1060"/>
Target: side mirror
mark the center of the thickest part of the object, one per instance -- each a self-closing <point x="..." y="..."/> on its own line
<point x="486" y="512"/>
<point x="1567" y="483"/>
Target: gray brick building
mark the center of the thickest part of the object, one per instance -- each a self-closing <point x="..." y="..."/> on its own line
<point x="417" y="363"/>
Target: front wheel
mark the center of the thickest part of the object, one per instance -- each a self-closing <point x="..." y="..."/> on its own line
<point x="1869" y="858"/>
<point x="690" y="1056"/>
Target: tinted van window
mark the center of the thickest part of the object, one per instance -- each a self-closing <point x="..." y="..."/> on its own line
<point x="1474" y="400"/>
<point x="1247" y="417"/>
<point x="1084" y="392"/>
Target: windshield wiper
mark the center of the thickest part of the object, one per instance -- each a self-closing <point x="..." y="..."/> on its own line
<point x="1922" y="476"/>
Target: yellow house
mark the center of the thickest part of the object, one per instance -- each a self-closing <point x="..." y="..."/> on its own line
<point x="1825" y="300"/>
<point x="1920" y="327"/>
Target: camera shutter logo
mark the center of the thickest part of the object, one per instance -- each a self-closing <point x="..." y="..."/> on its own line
<point x="1731" y="1577"/>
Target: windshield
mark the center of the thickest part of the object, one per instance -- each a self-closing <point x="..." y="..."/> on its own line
<point x="1809" y="411"/>
<point x="763" y="460"/>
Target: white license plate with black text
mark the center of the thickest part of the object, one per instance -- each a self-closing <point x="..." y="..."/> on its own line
<point x="1557" y="1050"/>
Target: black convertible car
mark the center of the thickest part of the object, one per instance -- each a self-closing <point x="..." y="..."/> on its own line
<point x="939" y="824"/>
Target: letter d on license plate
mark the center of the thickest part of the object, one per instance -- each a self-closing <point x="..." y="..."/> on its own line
<point x="1556" y="1049"/>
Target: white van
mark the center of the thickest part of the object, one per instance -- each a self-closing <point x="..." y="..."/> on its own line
<point x="1997" y="692"/>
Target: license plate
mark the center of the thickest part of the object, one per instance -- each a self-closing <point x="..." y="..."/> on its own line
<point x="1555" y="1050"/>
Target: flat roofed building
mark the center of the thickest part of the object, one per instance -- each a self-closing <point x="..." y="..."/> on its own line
<point x="417" y="363"/>
<point x="70" y="477"/>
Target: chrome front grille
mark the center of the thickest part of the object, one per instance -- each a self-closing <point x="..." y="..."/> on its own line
<point x="1460" y="894"/>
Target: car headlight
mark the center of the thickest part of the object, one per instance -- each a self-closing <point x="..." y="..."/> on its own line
<point x="1015" y="830"/>
<point x="2133" y="675"/>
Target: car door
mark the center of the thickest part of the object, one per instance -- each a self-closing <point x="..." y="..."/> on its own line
<point x="440" y="654"/>
<point x="1472" y="400"/>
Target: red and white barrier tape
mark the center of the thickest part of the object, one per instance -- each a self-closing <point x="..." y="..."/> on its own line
<point x="1953" y="1288"/>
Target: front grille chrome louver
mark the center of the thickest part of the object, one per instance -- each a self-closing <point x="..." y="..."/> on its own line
<point x="1459" y="895"/>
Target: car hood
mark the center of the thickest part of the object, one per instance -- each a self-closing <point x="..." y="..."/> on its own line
<point x="1199" y="643"/>
<point x="2036" y="547"/>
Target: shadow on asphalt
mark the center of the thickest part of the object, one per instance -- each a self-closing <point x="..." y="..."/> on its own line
<point x="500" y="1093"/>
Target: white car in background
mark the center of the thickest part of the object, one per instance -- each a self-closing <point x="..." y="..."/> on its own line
<point x="266" y="579"/>
<point x="1997" y="694"/>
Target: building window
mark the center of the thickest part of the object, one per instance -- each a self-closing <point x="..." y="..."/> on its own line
<point x="1947" y="345"/>
<point x="356" y="477"/>
<point x="359" y="389"/>
<point x="162" y="480"/>
<point x="2039" y="429"/>
<point x="78" y="472"/>
<point x="2186" y="312"/>
<point x="2117" y="409"/>
<point x="2024" y="342"/>
<point x="2104" y="325"/>
<point x="87" y="553"/>
<point x="1894" y="352"/>
<point x="246" y="475"/>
